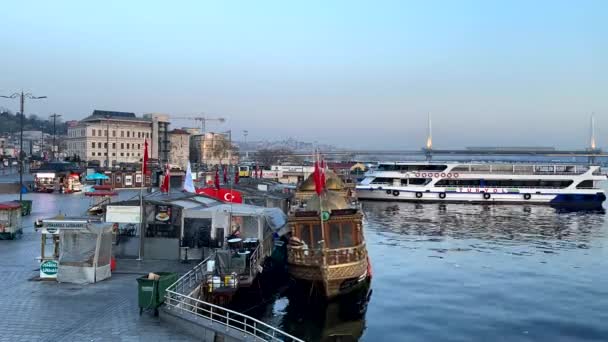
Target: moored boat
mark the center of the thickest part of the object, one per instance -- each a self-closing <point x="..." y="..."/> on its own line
<point x="564" y="184"/>
<point x="327" y="254"/>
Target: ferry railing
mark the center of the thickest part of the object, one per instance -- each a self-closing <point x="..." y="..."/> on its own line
<point x="334" y="256"/>
<point x="179" y="298"/>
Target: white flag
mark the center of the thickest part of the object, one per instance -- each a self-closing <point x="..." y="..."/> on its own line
<point x="188" y="181"/>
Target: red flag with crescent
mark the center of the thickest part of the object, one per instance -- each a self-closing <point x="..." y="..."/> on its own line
<point x="224" y="195"/>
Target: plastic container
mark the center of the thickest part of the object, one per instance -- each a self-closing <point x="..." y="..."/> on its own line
<point x="210" y="266"/>
<point x="151" y="293"/>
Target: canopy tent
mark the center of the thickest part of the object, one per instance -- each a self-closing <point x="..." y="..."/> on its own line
<point x="97" y="176"/>
<point x="252" y="221"/>
<point x="85" y="254"/>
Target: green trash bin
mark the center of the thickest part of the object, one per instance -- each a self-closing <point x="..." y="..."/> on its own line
<point x="151" y="293"/>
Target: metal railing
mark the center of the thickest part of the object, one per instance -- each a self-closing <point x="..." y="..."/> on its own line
<point x="179" y="298"/>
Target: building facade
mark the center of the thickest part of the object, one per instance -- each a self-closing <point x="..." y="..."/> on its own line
<point x="159" y="143"/>
<point x="179" y="141"/>
<point x="106" y="136"/>
<point x="212" y="149"/>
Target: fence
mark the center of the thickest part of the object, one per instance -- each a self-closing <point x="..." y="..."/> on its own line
<point x="180" y="298"/>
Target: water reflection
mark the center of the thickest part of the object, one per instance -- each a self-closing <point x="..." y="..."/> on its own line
<point x="339" y="320"/>
<point x="501" y="224"/>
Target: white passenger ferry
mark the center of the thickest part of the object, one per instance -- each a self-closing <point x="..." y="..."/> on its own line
<point x="487" y="183"/>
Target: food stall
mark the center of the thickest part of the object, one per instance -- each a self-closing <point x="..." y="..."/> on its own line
<point x="71" y="183"/>
<point x="10" y="220"/>
<point x="82" y="250"/>
<point x="44" y="181"/>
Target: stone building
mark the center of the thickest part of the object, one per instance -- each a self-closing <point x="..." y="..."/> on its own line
<point x="212" y="149"/>
<point x="179" y="142"/>
<point x="117" y="137"/>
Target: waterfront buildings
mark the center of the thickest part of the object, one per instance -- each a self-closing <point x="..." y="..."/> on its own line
<point x="106" y="136"/>
<point x="212" y="149"/>
<point x="179" y="148"/>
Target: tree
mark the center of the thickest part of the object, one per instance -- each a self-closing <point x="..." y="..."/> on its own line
<point x="271" y="156"/>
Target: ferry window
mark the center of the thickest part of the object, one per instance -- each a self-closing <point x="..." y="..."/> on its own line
<point x="461" y="168"/>
<point x="388" y="167"/>
<point x="381" y="180"/>
<point x="418" y="181"/>
<point x="480" y="167"/>
<point x="585" y="184"/>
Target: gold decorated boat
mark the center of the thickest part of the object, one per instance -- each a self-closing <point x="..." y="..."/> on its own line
<point x="326" y="253"/>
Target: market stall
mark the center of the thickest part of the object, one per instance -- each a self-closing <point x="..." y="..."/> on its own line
<point x="10" y="220"/>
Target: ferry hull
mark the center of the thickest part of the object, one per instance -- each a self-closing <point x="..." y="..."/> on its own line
<point x="569" y="199"/>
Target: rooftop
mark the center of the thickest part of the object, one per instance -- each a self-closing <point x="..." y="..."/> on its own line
<point x="105" y="114"/>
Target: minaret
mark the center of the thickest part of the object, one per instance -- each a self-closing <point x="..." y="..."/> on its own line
<point x="592" y="142"/>
<point x="429" y="139"/>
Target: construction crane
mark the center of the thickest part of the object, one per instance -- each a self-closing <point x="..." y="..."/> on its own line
<point x="202" y="119"/>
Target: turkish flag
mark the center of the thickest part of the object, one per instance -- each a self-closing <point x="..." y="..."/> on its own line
<point x="317" y="178"/>
<point x="224" y="195"/>
<point x="144" y="166"/>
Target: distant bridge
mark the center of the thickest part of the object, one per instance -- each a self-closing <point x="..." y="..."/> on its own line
<point x="597" y="153"/>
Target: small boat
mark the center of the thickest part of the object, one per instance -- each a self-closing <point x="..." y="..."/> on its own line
<point x="327" y="254"/>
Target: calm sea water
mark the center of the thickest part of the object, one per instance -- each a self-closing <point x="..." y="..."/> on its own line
<point x="460" y="272"/>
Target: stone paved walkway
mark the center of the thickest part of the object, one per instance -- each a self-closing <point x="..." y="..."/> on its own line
<point x="48" y="311"/>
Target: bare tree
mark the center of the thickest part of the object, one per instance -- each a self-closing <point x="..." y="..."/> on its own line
<point x="267" y="156"/>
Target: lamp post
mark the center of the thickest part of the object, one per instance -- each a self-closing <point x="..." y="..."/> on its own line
<point x="22" y="97"/>
<point x="54" y="116"/>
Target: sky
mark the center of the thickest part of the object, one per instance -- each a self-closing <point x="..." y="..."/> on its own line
<point x="360" y="74"/>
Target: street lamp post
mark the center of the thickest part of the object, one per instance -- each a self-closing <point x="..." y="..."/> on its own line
<point x="54" y="116"/>
<point x="22" y="97"/>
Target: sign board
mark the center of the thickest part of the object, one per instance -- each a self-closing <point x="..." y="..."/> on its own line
<point x="48" y="269"/>
<point x="123" y="214"/>
<point x="54" y="226"/>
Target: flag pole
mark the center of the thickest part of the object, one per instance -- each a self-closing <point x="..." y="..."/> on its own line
<point x="141" y="201"/>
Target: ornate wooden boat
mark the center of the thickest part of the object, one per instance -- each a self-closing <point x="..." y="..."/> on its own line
<point x="326" y="253"/>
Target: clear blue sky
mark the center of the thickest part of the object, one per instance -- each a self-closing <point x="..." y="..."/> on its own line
<point x="345" y="72"/>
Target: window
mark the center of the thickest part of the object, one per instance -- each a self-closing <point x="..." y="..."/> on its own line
<point x="147" y="135"/>
<point x="93" y="132"/>
<point x="105" y="145"/>
<point x="93" y="144"/>
<point x="341" y="235"/>
<point x="139" y="154"/>
<point x="114" y="145"/>
<point x="128" y="154"/>
<point x="122" y="134"/>
<point x="128" y="134"/>
<point x="105" y="133"/>
<point x="305" y="234"/>
<point x="122" y="146"/>
<point x="139" y="134"/>
<point x="105" y="154"/>
<point x="128" y="146"/>
<point x="98" y="145"/>
<point x="586" y="184"/>
<point x="122" y="154"/>
<point x="113" y="154"/>
<point x="99" y="154"/>
<point x="114" y="133"/>
<point x="139" y="146"/>
<point x="93" y="154"/>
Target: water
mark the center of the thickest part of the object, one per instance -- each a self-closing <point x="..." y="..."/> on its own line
<point x="461" y="272"/>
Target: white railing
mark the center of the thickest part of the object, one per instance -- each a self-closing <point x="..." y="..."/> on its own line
<point x="179" y="298"/>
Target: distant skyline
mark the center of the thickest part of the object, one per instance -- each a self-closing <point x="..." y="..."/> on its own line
<point x="347" y="73"/>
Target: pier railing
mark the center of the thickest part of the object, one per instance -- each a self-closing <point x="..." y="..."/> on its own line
<point x="181" y="298"/>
